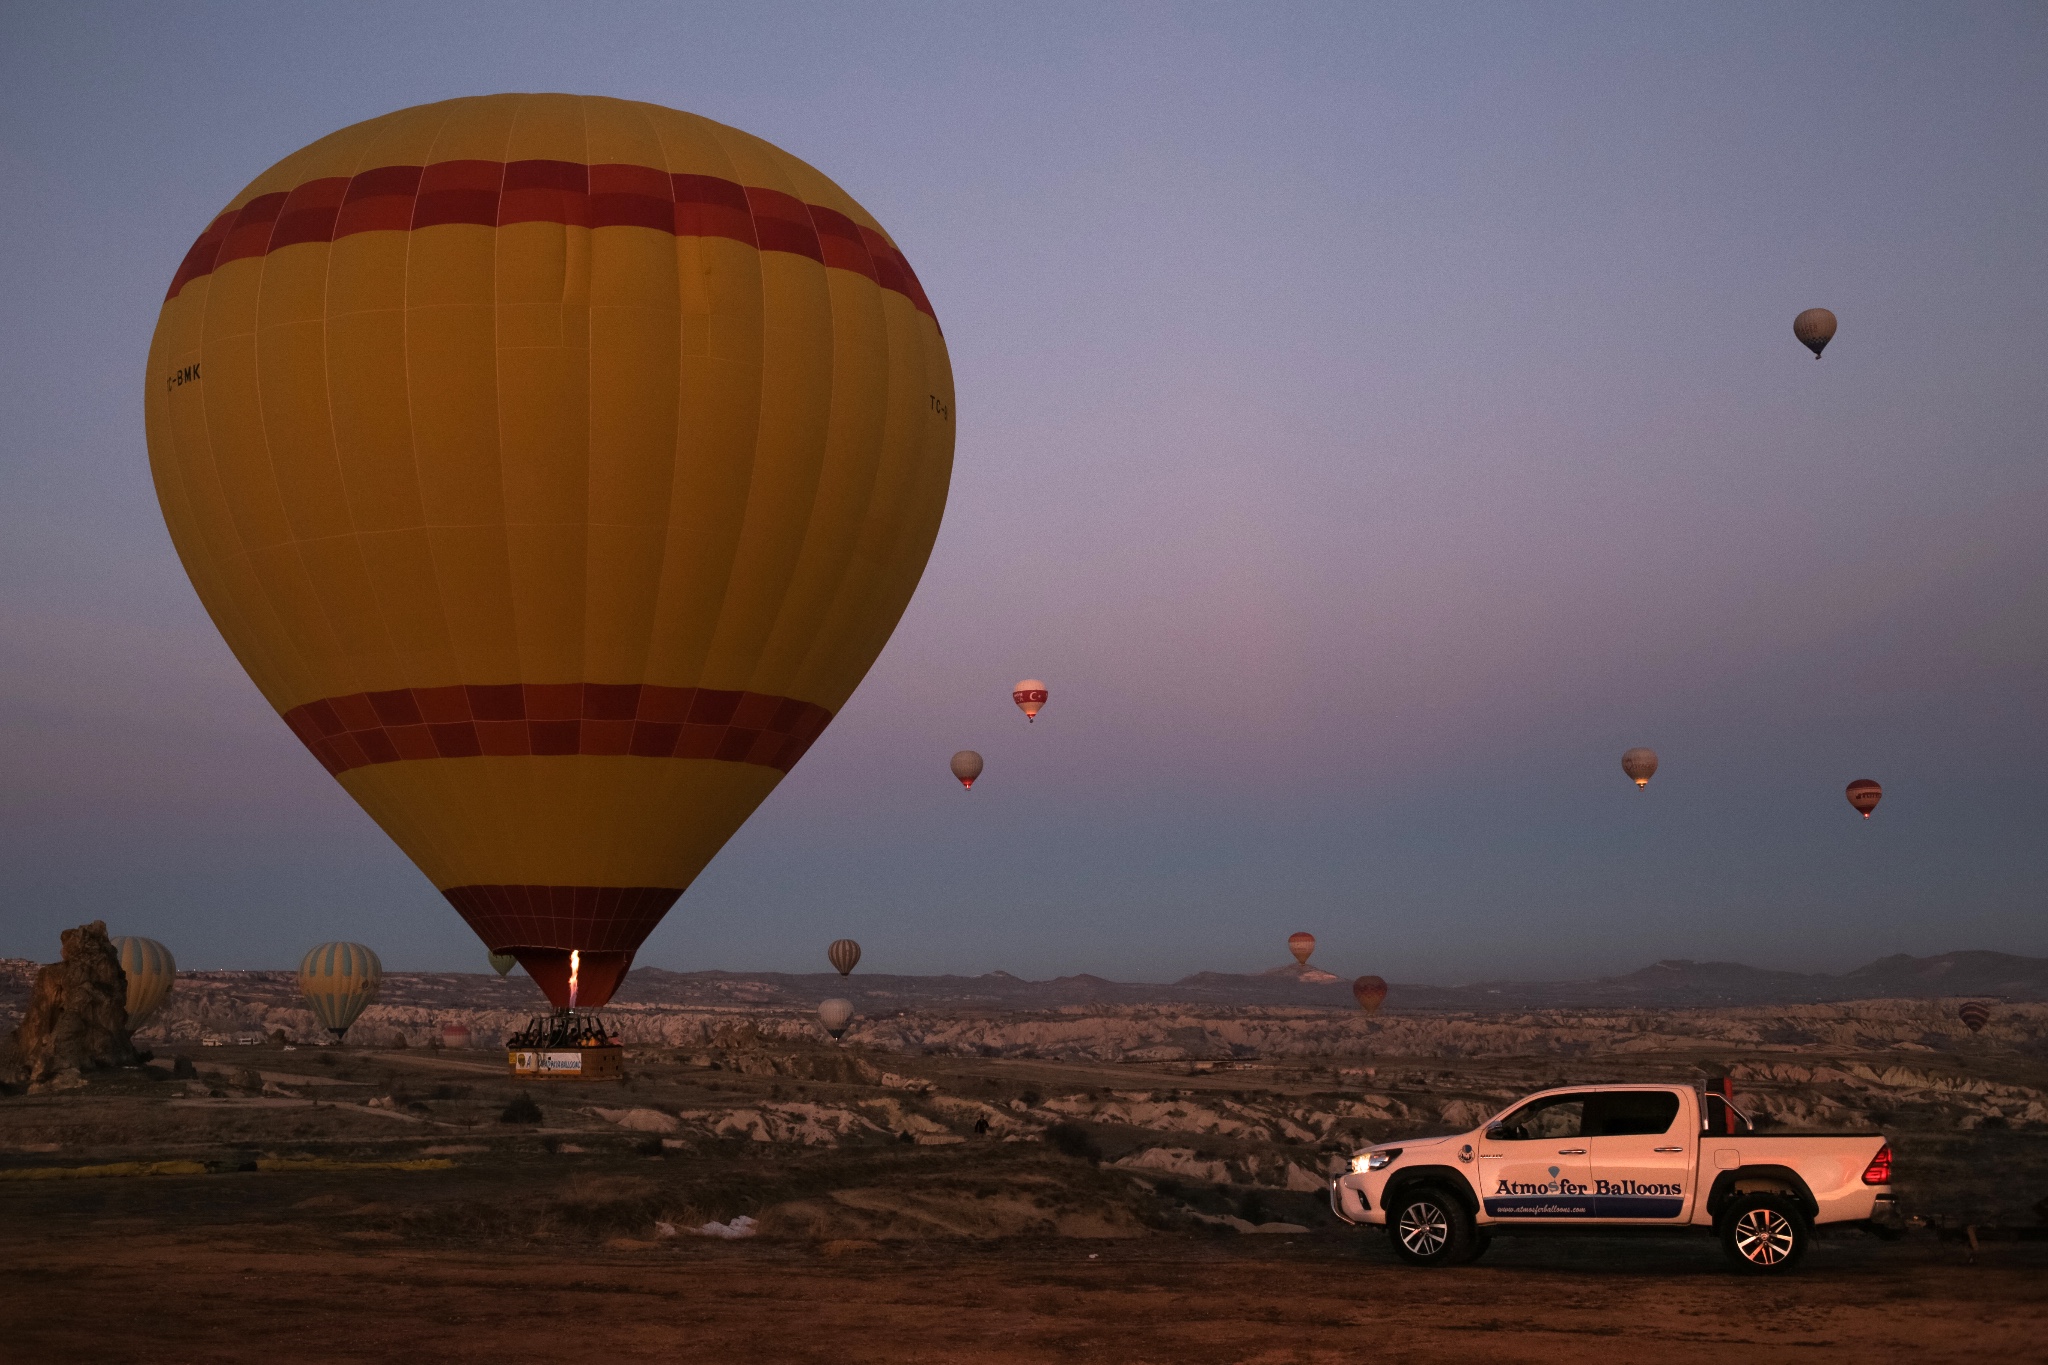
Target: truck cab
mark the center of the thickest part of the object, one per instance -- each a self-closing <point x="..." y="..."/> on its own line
<point x="1616" y="1156"/>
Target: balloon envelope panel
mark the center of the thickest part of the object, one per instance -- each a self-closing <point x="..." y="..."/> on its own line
<point x="151" y="973"/>
<point x="557" y="467"/>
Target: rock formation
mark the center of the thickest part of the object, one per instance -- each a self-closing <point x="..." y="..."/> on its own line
<point x="77" y="1015"/>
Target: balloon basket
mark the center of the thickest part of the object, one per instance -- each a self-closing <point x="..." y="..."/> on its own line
<point x="568" y="1045"/>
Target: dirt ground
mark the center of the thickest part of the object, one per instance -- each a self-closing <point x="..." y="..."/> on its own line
<point x="378" y="1205"/>
<point x="226" y="1296"/>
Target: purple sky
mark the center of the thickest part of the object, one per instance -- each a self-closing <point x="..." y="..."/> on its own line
<point x="1372" y="421"/>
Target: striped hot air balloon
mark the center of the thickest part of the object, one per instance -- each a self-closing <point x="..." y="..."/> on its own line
<point x="151" y="973"/>
<point x="339" y="980"/>
<point x="556" y="466"/>
<point x="1975" y="1015"/>
<point x="844" y="955"/>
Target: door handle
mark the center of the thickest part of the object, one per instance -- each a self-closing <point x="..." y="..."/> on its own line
<point x="1571" y="1151"/>
<point x="1667" y="1149"/>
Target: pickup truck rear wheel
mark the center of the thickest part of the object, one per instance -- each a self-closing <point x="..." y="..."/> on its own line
<point x="1430" y="1228"/>
<point x="1764" y="1234"/>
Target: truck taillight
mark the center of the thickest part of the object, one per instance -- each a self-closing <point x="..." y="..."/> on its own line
<point x="1879" y="1171"/>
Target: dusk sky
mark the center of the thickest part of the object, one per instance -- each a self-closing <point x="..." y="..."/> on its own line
<point x="1372" y="421"/>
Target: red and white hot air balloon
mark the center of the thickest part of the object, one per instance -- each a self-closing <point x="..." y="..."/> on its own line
<point x="1864" y="795"/>
<point x="1029" y="696"/>
<point x="1301" y="944"/>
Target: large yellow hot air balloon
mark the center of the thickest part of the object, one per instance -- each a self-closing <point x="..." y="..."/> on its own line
<point x="151" y="973"/>
<point x="556" y="466"/>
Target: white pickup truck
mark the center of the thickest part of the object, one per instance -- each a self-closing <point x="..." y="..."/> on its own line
<point x="1598" y="1158"/>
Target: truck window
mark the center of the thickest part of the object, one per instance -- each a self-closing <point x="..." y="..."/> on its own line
<point x="1723" y="1117"/>
<point x="1553" y="1116"/>
<point x="1630" y="1113"/>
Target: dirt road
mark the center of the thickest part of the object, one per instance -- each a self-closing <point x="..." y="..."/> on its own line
<point x="244" y="1294"/>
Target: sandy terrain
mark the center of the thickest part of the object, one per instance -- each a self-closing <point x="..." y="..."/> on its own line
<point x="915" y="1200"/>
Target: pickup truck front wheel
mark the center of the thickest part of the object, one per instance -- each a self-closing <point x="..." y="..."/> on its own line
<point x="1764" y="1234"/>
<point x="1430" y="1228"/>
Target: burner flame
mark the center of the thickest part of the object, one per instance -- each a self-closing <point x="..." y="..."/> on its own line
<point x="575" y="961"/>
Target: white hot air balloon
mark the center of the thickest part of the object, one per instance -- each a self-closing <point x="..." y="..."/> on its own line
<point x="1029" y="696"/>
<point x="835" y="1014"/>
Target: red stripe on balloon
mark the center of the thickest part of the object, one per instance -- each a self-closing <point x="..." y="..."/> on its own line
<point x="586" y="918"/>
<point x="512" y="720"/>
<point x="495" y="194"/>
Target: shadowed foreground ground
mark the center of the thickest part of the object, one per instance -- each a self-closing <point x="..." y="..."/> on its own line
<point x="92" y="1293"/>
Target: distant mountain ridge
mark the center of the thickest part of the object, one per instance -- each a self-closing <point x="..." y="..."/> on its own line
<point x="1675" y="983"/>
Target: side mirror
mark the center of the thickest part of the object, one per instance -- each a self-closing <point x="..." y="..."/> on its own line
<point x="1496" y="1132"/>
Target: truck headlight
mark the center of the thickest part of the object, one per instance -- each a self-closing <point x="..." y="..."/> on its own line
<point x="1373" y="1161"/>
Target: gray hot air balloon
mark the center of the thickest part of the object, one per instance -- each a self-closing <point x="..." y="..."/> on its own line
<point x="338" y="981"/>
<point x="967" y="766"/>
<point x="845" y="955"/>
<point x="1641" y="765"/>
<point x="835" y="1014"/>
<point x="1815" y="328"/>
<point x="150" y="972"/>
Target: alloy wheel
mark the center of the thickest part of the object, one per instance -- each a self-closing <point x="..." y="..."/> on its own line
<point x="1763" y="1236"/>
<point x="1424" y="1228"/>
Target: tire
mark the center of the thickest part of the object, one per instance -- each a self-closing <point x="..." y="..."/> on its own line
<point x="1764" y="1234"/>
<point x="1429" y="1227"/>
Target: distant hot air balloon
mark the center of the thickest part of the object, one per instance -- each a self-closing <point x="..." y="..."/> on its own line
<point x="556" y="466"/>
<point x="455" y="1035"/>
<point x="1029" y="696"/>
<point x="1641" y="765"/>
<point x="1864" y="795"/>
<point x="835" y="1014"/>
<point x="339" y="980"/>
<point x="1815" y="328"/>
<point x="967" y="766"/>
<point x="1370" y="992"/>
<point x="1301" y="945"/>
<point x="1975" y="1016"/>
<point x="845" y="955"/>
<point x="151" y="974"/>
<point x="503" y="963"/>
